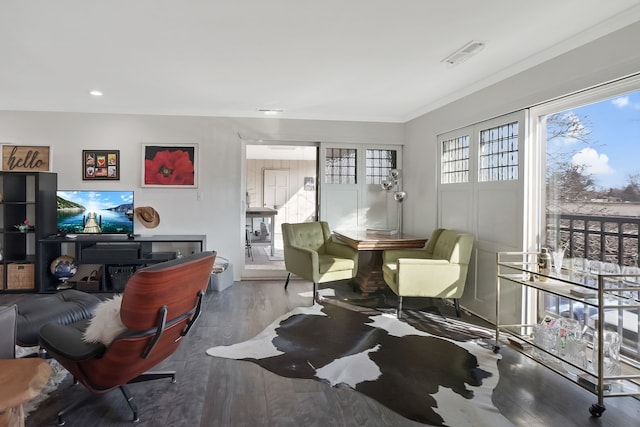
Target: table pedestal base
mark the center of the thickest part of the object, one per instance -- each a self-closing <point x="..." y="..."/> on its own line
<point x="369" y="278"/>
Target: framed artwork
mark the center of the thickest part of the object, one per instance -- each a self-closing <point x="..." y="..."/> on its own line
<point x="309" y="183"/>
<point x="170" y="165"/>
<point x="100" y="164"/>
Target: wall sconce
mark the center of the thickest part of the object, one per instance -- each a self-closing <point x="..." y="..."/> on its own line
<point x="391" y="182"/>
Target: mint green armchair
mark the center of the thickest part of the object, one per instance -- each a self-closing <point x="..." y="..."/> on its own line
<point x="438" y="270"/>
<point x="311" y="253"/>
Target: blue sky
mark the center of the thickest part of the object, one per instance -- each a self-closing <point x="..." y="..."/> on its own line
<point x="615" y="135"/>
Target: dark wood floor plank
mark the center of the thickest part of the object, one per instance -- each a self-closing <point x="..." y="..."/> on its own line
<point x="280" y="396"/>
<point x="215" y="392"/>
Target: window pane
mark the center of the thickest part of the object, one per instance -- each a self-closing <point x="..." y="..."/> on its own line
<point x="340" y="166"/>
<point x="379" y="163"/>
<point x="454" y="161"/>
<point x="499" y="153"/>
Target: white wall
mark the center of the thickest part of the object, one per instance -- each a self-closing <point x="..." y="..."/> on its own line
<point x="214" y="208"/>
<point x="606" y="59"/>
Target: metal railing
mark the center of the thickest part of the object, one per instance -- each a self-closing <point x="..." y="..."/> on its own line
<point x="610" y="239"/>
<point x="605" y="238"/>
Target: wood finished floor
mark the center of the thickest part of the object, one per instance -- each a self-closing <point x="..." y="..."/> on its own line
<point x="217" y="392"/>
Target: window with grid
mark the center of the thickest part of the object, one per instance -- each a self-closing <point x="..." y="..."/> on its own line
<point x="340" y="166"/>
<point x="499" y="153"/>
<point x="455" y="160"/>
<point x="378" y="164"/>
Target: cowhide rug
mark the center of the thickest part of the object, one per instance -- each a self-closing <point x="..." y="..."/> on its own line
<point x="427" y="368"/>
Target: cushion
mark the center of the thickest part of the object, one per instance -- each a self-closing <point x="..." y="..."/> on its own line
<point x="331" y="263"/>
<point x="63" y="307"/>
<point x="105" y="325"/>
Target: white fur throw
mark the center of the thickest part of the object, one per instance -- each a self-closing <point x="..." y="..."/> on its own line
<point x="105" y="324"/>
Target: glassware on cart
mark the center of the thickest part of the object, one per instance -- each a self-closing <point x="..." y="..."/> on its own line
<point x="594" y="269"/>
<point x="567" y="329"/>
<point x="632" y="281"/>
<point x="576" y="352"/>
<point x="557" y="256"/>
<point x="610" y="353"/>
<point x="610" y="268"/>
<point x="545" y="336"/>
<point x="578" y="269"/>
<point x="579" y="264"/>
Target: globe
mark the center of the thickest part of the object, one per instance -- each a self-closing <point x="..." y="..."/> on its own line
<point x="63" y="267"/>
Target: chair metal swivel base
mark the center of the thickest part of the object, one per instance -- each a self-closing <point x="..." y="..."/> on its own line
<point x="125" y="392"/>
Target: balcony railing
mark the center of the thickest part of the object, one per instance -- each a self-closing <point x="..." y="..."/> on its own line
<point x="605" y="238"/>
<point x="609" y="239"/>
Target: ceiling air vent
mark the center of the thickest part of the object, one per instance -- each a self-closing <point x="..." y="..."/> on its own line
<point x="464" y="53"/>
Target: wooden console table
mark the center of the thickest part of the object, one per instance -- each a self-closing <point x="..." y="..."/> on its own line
<point x="369" y="277"/>
<point x="20" y="381"/>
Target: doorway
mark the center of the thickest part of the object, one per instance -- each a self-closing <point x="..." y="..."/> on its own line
<point x="281" y="183"/>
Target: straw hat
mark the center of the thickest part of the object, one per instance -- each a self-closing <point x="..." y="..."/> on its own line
<point x="147" y="216"/>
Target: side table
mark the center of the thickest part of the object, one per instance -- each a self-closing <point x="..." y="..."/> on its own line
<point x="20" y="381"/>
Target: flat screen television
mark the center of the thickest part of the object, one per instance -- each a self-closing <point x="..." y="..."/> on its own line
<point x="94" y="212"/>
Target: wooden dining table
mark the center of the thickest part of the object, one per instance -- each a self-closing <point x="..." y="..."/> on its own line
<point x="370" y="244"/>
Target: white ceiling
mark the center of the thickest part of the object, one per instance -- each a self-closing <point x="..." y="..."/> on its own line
<point x="365" y="60"/>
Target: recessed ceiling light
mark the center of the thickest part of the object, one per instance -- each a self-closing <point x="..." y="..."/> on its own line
<point x="96" y="93"/>
<point x="270" y="111"/>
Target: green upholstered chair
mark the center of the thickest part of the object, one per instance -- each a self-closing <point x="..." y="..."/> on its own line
<point x="311" y="253"/>
<point x="438" y="270"/>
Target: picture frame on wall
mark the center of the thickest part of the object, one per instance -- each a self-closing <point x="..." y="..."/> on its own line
<point x="170" y="165"/>
<point x="100" y="165"/>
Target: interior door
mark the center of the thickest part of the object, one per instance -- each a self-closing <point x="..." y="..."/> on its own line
<point x="275" y="194"/>
<point x="340" y="192"/>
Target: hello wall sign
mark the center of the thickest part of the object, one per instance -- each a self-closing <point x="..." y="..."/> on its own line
<point x="21" y="158"/>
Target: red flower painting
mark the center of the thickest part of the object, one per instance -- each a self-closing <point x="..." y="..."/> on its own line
<point x="169" y="166"/>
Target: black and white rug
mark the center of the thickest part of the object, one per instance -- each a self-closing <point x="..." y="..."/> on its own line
<point x="428" y="368"/>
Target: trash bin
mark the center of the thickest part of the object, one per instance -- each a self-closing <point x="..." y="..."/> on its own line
<point x="221" y="274"/>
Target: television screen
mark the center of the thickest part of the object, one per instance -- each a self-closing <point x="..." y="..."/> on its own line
<point x="82" y="211"/>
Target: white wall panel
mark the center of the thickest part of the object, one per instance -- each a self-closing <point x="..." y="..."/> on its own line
<point x="456" y="209"/>
<point x="499" y="217"/>
<point x="342" y="209"/>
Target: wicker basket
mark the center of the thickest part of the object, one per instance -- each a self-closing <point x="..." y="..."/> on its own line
<point x="119" y="275"/>
<point x="20" y="276"/>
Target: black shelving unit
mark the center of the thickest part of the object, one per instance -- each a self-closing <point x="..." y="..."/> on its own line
<point x="27" y="196"/>
<point x="117" y="255"/>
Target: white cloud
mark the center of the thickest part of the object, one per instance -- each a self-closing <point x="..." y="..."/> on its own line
<point x="596" y="164"/>
<point x="621" y="101"/>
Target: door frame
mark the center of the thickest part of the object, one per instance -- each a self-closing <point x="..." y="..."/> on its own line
<point x="270" y="272"/>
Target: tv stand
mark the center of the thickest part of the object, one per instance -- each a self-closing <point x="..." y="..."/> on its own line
<point x="106" y="250"/>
